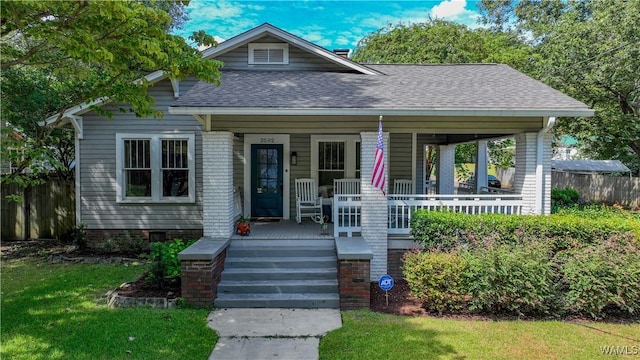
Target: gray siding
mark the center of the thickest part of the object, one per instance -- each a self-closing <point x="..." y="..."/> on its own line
<point x="399" y="158"/>
<point x="99" y="209"/>
<point x="237" y="59"/>
<point x="299" y="143"/>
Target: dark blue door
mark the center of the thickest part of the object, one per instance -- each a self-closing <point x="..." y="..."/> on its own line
<point x="266" y="180"/>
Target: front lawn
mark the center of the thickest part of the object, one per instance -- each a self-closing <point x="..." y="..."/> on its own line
<point x="55" y="311"/>
<point x="369" y="335"/>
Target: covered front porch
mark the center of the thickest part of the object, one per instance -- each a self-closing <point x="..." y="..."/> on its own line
<point x="236" y="173"/>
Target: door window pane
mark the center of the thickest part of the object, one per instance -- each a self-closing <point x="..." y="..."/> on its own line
<point x="268" y="170"/>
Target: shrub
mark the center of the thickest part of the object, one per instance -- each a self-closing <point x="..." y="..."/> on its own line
<point x="447" y="230"/>
<point x="79" y="236"/>
<point x="165" y="265"/>
<point x="603" y="279"/>
<point x="437" y="278"/>
<point x="124" y="242"/>
<point x="514" y="279"/>
<point x="563" y="197"/>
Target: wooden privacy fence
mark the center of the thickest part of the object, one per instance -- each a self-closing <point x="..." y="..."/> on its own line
<point x="47" y="211"/>
<point x="621" y="190"/>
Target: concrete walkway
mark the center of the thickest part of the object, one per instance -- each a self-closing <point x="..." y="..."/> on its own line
<point x="271" y="333"/>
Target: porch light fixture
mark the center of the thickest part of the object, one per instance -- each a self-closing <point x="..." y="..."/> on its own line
<point x="294" y="158"/>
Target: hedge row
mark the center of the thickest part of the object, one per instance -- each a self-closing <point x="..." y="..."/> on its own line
<point x="528" y="280"/>
<point x="582" y="262"/>
<point x="568" y="229"/>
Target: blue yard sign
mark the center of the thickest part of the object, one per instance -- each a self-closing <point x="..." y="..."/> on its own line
<point x="385" y="282"/>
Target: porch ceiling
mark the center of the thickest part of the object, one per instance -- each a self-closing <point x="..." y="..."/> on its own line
<point x="458" y="127"/>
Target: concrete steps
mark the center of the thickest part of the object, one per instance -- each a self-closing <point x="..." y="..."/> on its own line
<point x="280" y="274"/>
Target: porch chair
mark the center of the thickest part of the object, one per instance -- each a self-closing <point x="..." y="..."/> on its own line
<point x="400" y="216"/>
<point x="346" y="186"/>
<point x="308" y="203"/>
<point x="403" y="187"/>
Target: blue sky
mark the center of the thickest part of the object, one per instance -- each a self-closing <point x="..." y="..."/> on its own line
<point x="331" y="24"/>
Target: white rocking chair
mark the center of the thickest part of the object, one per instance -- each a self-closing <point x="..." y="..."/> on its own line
<point x="403" y="187"/>
<point x="346" y="186"/>
<point x="401" y="216"/>
<point x="308" y="203"/>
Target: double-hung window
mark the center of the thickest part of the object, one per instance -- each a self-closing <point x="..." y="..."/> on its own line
<point x="155" y="167"/>
<point x="334" y="157"/>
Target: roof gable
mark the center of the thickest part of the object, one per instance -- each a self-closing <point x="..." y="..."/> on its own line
<point x="267" y="29"/>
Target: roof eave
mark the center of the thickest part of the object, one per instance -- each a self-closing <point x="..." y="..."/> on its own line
<point x="79" y="109"/>
<point x="199" y="110"/>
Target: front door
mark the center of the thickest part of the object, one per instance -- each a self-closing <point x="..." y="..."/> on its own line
<point x="266" y="180"/>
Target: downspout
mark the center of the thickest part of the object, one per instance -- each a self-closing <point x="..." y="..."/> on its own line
<point x="77" y="180"/>
<point x="539" y="164"/>
<point x="78" y="128"/>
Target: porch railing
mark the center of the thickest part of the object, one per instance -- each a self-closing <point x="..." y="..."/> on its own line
<point x="347" y="209"/>
<point x="347" y="214"/>
<point x="401" y="207"/>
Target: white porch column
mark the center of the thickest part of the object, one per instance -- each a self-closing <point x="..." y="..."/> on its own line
<point x="446" y="168"/>
<point x="374" y="204"/>
<point x="217" y="183"/>
<point x="525" y="176"/>
<point x="544" y="203"/>
<point x="481" y="166"/>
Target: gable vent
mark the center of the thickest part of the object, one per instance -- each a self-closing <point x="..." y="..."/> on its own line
<point x="268" y="53"/>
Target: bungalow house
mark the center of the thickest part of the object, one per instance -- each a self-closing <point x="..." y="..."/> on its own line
<point x="288" y="109"/>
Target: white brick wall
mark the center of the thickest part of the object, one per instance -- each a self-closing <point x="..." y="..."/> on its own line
<point x="374" y="204"/>
<point x="446" y="167"/>
<point x="525" y="176"/>
<point x="217" y="178"/>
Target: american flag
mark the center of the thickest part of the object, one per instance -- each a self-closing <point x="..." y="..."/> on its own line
<point x="378" y="177"/>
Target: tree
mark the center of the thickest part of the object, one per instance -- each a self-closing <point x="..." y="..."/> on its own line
<point x="110" y="43"/>
<point x="443" y="42"/>
<point x="591" y="51"/>
<point x="62" y="53"/>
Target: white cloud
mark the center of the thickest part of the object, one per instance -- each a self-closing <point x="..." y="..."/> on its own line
<point x="448" y="9"/>
<point x="456" y="11"/>
<point x="216" y="10"/>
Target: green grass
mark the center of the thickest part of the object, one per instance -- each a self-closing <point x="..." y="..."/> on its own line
<point x="54" y="311"/>
<point x="369" y="335"/>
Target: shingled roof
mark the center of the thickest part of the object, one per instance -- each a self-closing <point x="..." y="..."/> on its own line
<point x="463" y="87"/>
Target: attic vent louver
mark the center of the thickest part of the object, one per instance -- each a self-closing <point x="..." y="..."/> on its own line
<point x="268" y="53"/>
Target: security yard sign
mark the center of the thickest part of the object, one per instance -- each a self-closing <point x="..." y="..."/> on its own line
<point x="386" y="283"/>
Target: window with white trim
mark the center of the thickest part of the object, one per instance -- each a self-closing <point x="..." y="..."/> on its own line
<point x="268" y="53"/>
<point x="155" y="167"/>
<point x="334" y="157"/>
<point x="331" y="163"/>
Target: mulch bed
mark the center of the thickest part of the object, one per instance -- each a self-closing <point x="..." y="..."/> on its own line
<point x="400" y="301"/>
<point x="140" y="288"/>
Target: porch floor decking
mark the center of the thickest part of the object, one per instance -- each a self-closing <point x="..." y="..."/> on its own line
<point x="286" y="230"/>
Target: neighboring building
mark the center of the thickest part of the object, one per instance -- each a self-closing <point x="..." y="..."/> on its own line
<point x="282" y="98"/>
<point x="566" y="148"/>
<point x="590" y="166"/>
